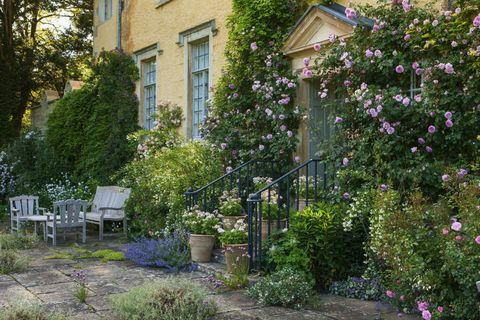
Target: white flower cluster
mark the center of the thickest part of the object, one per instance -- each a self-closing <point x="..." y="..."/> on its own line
<point x="359" y="207"/>
<point x="7" y="181"/>
<point x="240" y="225"/>
<point x="64" y="189"/>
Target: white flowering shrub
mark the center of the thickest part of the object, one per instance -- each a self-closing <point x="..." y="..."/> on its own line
<point x="7" y="180"/>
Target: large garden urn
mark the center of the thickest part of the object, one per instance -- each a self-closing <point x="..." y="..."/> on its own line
<point x="201" y="247"/>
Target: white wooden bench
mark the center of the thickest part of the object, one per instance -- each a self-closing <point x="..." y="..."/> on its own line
<point x="108" y="205"/>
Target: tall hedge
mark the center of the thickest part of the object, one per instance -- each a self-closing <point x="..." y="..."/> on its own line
<point x="89" y="127"/>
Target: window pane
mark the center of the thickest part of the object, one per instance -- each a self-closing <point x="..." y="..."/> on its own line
<point x="149" y="93"/>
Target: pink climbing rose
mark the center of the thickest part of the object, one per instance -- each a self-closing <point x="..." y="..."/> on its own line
<point x="456" y="226"/>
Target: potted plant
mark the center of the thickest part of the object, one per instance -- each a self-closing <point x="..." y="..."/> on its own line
<point x="231" y="209"/>
<point x="203" y="227"/>
<point x="235" y="243"/>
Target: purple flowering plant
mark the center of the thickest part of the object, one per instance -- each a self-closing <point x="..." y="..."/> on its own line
<point x="413" y="93"/>
<point x="168" y="251"/>
<point x="252" y="113"/>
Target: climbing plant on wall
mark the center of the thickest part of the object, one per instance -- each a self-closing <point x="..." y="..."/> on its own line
<point x="252" y="114"/>
<point x="410" y="106"/>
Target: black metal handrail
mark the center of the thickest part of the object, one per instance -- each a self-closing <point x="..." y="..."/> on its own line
<point x="303" y="184"/>
<point x="240" y="179"/>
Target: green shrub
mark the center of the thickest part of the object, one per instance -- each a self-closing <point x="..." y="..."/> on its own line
<point x="27" y="311"/>
<point x="334" y="253"/>
<point x="11" y="261"/>
<point x="15" y="241"/>
<point x="431" y="251"/>
<point x="166" y="299"/>
<point x="89" y="127"/>
<point x="33" y="163"/>
<point x="284" y="250"/>
<point x="287" y="287"/>
<point x="159" y="182"/>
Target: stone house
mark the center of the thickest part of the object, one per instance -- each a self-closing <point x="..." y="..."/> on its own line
<point x="178" y="46"/>
<point x="39" y="113"/>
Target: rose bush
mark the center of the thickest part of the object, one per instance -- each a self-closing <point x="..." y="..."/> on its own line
<point x="252" y="113"/>
<point x="409" y="103"/>
<point x="431" y="251"/>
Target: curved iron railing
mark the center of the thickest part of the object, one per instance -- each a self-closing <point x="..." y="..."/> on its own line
<point x="240" y="179"/>
<point x="269" y="208"/>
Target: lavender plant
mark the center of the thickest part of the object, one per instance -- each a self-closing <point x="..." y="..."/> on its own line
<point x="169" y="251"/>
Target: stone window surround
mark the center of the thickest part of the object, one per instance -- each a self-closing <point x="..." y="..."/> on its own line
<point x="202" y="32"/>
<point x="140" y="56"/>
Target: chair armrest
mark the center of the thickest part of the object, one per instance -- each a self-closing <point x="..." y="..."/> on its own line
<point x="13" y="212"/>
<point x="103" y="209"/>
<point x="43" y="210"/>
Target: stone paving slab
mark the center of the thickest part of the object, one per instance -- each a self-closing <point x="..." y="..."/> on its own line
<point x="49" y="282"/>
<point x="35" y="278"/>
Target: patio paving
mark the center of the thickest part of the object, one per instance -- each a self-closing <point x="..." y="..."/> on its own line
<point x="49" y="282"/>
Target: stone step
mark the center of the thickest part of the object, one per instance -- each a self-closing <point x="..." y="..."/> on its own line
<point x="218" y="256"/>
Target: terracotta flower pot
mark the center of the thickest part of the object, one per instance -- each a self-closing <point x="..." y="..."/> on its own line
<point x="273" y="227"/>
<point x="229" y="221"/>
<point x="236" y="254"/>
<point x="201" y="247"/>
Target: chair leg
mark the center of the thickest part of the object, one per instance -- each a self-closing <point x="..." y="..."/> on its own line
<point x="45" y="231"/>
<point x="35" y="227"/>
<point x="125" y="226"/>
<point x="11" y="224"/>
<point x="54" y="235"/>
<point x="84" y="233"/>
<point x="100" y="230"/>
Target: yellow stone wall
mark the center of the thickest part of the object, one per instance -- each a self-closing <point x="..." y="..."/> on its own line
<point x="149" y="22"/>
<point x="105" y="33"/>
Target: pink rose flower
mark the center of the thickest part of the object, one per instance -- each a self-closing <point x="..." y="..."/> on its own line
<point x="317" y="46"/>
<point x="456" y="226"/>
<point x="399" y="69"/>
<point x="477" y="239"/>
<point x="445" y="231"/>
<point x="458" y="238"/>
<point x="390" y="293"/>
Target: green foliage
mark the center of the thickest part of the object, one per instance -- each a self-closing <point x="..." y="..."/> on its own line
<point x="284" y="250"/>
<point x="166" y="299"/>
<point x="89" y="127"/>
<point x="28" y="311"/>
<point x="159" y="182"/>
<point x="287" y="288"/>
<point x="11" y="261"/>
<point x="108" y="255"/>
<point x="240" y="121"/>
<point x="231" y="206"/>
<point x="239" y="277"/>
<point x="426" y="259"/>
<point x="81" y="293"/>
<point x="15" y="241"/>
<point x="334" y="253"/>
<point x="384" y="132"/>
<point x="237" y="235"/>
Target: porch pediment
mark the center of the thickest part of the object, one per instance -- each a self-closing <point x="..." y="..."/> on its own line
<point x="316" y="25"/>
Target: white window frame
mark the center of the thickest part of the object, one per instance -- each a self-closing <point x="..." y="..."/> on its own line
<point x="187" y="39"/>
<point x="200" y="84"/>
<point x="105" y="10"/>
<point x="141" y="57"/>
<point x="149" y="92"/>
<point x="416" y="84"/>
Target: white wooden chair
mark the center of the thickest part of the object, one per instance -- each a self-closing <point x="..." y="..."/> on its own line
<point x="108" y="205"/>
<point x="67" y="215"/>
<point x="25" y="208"/>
